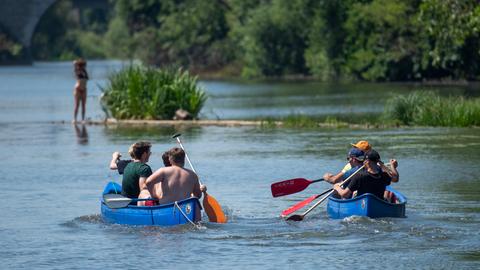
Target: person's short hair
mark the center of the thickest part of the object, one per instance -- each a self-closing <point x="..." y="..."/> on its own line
<point x="372" y="155"/>
<point x="177" y="155"/>
<point x="166" y="160"/>
<point x="130" y="151"/>
<point x="137" y="149"/>
<point x="356" y="153"/>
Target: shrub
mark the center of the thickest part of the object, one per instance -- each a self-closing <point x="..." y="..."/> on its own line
<point x="139" y="92"/>
<point x="429" y="109"/>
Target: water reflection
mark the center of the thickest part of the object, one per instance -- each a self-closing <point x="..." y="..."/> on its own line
<point x="162" y="134"/>
<point x="466" y="190"/>
<point x="82" y="134"/>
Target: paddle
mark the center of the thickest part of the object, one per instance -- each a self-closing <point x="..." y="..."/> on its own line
<point x="119" y="201"/>
<point x="291" y="186"/>
<point x="301" y="204"/>
<point x="300" y="217"/>
<point x="210" y="204"/>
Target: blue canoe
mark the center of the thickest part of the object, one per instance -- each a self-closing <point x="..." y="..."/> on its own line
<point x="160" y="215"/>
<point x="367" y="205"/>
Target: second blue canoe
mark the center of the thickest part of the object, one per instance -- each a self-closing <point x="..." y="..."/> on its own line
<point x="367" y="205"/>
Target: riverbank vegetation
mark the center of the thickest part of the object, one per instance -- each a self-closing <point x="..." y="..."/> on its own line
<point x="419" y="108"/>
<point x="426" y="108"/>
<point x="372" y="40"/>
<point x="139" y="92"/>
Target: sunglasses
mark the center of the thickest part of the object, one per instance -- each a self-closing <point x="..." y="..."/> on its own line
<point x="357" y="158"/>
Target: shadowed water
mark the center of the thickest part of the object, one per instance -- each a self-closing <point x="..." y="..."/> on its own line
<point x="52" y="175"/>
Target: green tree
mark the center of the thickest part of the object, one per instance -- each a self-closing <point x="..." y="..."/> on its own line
<point x="450" y="31"/>
<point x="183" y="33"/>
<point x="67" y="32"/>
<point x="379" y="42"/>
<point x="274" y="38"/>
<point x="325" y="53"/>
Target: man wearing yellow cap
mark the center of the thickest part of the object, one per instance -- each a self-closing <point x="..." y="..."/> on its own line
<point x="362" y="145"/>
<point x="356" y="158"/>
<point x="372" y="179"/>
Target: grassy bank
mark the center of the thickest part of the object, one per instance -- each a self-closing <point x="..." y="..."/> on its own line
<point x="139" y="92"/>
<point x="419" y="108"/>
<point x="427" y="108"/>
<point x="310" y="122"/>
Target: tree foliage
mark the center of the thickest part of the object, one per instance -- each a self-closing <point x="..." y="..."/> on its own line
<point x="450" y="36"/>
<point x="67" y="32"/>
<point x="375" y="40"/>
<point x="274" y="38"/>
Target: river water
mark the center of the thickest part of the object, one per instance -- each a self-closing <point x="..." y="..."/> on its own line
<point x="52" y="174"/>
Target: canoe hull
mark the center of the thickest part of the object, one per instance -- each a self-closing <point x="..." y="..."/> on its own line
<point x="367" y="205"/>
<point x="160" y="215"/>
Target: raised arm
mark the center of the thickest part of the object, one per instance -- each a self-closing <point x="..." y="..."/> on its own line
<point x="113" y="162"/>
<point x="391" y="170"/>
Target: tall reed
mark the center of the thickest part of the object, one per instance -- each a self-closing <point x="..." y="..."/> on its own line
<point x="427" y="108"/>
<point x="139" y="92"/>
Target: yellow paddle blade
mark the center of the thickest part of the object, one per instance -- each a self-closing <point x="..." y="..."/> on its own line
<point x="213" y="209"/>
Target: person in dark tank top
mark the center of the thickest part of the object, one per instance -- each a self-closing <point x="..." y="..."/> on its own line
<point x="372" y="179"/>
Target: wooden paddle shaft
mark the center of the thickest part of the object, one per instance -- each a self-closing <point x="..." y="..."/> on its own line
<point x="330" y="193"/>
<point x="210" y="204"/>
<point x="186" y="156"/>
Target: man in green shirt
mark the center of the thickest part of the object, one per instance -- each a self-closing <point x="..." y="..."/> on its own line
<point x="137" y="171"/>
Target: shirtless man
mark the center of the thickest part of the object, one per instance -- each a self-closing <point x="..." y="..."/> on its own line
<point x="144" y="193"/>
<point x="174" y="183"/>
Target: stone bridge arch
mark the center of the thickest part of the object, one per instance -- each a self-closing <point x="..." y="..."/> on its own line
<point x="20" y="18"/>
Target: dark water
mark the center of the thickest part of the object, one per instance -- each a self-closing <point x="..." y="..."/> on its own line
<point x="52" y="175"/>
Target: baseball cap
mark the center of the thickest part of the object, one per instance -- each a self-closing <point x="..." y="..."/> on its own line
<point x="372" y="155"/>
<point x="356" y="153"/>
<point x="362" y="145"/>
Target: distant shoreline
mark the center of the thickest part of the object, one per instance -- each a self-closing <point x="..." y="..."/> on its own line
<point x="205" y="75"/>
<point x="236" y="123"/>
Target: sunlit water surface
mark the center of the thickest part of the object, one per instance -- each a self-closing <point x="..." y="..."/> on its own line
<point x="52" y="175"/>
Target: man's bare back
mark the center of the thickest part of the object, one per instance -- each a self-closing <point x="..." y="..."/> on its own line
<point x="173" y="183"/>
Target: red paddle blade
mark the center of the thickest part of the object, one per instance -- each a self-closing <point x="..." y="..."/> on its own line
<point x="289" y="186"/>
<point x="298" y="206"/>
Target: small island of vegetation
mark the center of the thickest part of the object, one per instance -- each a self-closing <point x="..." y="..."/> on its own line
<point x="140" y="92"/>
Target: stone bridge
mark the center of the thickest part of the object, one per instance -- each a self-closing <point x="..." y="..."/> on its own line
<point x="20" y="18"/>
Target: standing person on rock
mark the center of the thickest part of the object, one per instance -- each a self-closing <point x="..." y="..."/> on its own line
<point x="80" y="90"/>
